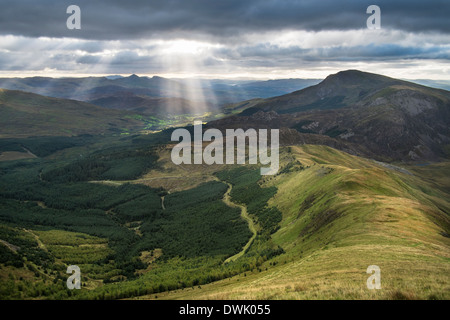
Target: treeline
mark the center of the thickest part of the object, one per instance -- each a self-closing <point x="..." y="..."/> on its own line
<point x="44" y="146"/>
<point x="195" y="223"/>
<point x="174" y="274"/>
<point x="47" y="145"/>
<point x="26" y="248"/>
<point x="25" y="185"/>
<point x="196" y="232"/>
<point x="125" y="164"/>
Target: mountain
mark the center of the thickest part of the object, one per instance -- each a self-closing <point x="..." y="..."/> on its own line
<point x="361" y="113"/>
<point x="112" y="77"/>
<point x="140" y="226"/>
<point x="159" y="107"/>
<point x="191" y="95"/>
<point x="90" y="87"/>
<point x="112" y="93"/>
<point x="27" y="114"/>
<point x="277" y="86"/>
<point x="357" y="112"/>
<point x="340" y="90"/>
<point x="154" y="96"/>
<point x="341" y="214"/>
<point x="227" y="91"/>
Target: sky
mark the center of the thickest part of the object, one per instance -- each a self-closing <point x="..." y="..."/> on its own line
<point x="235" y="39"/>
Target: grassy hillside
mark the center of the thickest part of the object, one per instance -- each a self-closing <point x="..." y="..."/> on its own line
<point x="27" y="114"/>
<point x="358" y="112"/>
<point x="80" y="185"/>
<point x="128" y="239"/>
<point x="343" y="89"/>
<point x="341" y="214"/>
<point x="319" y="223"/>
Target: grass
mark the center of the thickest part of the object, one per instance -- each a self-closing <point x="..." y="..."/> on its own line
<point x="383" y="217"/>
<point x="339" y="273"/>
<point x="26" y="114"/>
<point x="73" y="247"/>
<point x="173" y="177"/>
<point x="340" y="214"/>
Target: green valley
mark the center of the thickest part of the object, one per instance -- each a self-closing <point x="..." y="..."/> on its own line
<point x="341" y="214"/>
<point x="363" y="180"/>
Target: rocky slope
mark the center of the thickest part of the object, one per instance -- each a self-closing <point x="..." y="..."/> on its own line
<point x="363" y="113"/>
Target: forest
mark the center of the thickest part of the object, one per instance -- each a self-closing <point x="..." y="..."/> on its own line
<point x="55" y="211"/>
<point x="247" y="191"/>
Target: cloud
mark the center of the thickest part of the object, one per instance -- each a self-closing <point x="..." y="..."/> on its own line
<point x="226" y="19"/>
<point x="242" y="38"/>
<point x="261" y="53"/>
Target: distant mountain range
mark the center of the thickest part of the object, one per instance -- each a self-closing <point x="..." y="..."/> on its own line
<point x="81" y="183"/>
<point x="360" y="113"/>
<point x="25" y="114"/>
<point x="71" y="106"/>
<point x="155" y="96"/>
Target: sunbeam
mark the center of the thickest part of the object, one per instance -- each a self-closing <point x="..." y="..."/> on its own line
<point x="184" y="58"/>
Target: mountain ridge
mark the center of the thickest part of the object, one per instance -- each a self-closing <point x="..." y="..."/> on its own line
<point x="211" y="93"/>
<point x="27" y="114"/>
<point x="382" y="117"/>
<point x="342" y="89"/>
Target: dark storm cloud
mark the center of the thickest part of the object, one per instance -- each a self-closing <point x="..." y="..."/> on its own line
<point x="356" y="53"/>
<point x="114" y="19"/>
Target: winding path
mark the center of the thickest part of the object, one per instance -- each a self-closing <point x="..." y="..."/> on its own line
<point x="245" y="216"/>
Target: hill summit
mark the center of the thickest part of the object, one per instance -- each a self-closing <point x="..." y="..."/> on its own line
<point x="360" y="112"/>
